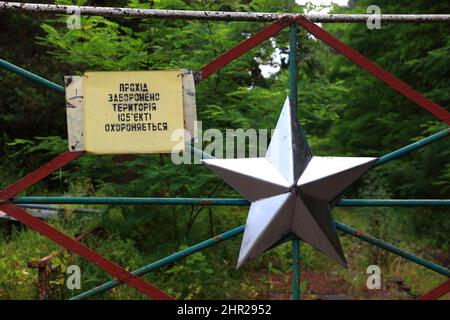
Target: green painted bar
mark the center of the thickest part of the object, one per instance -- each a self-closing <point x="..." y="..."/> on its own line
<point x="393" y="249"/>
<point x="394" y="203"/>
<point x="163" y="262"/>
<point x="221" y="201"/>
<point x="293" y="70"/>
<point x="130" y="201"/>
<point x="238" y="230"/>
<point x="296" y="280"/>
<point x="293" y="96"/>
<point x="413" y="146"/>
<point x="30" y="76"/>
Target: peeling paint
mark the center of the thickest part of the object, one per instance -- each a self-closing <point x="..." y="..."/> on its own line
<point x="221" y="15"/>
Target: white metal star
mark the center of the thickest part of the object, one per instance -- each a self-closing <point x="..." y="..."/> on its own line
<point x="290" y="190"/>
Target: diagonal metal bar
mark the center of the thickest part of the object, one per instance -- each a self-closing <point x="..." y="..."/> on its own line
<point x="238" y="230"/>
<point x="163" y="262"/>
<point x="413" y="147"/>
<point x="33" y="177"/>
<point x="31" y="76"/>
<point x="62" y="239"/>
<point x="391" y="248"/>
<point x="243" y="47"/>
<point x="438" y="292"/>
<point x="375" y="69"/>
<point x="83" y="251"/>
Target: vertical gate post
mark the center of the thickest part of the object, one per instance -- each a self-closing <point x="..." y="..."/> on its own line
<point x="296" y="292"/>
<point x="293" y="78"/>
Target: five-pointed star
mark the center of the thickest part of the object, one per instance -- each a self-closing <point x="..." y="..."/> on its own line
<point x="290" y="190"/>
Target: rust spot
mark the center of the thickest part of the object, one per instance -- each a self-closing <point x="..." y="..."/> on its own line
<point x="204" y="203"/>
<point x="218" y="239"/>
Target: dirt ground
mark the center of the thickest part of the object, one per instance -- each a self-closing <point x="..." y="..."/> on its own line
<point x="321" y="286"/>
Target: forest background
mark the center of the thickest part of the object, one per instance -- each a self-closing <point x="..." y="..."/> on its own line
<point x="344" y="111"/>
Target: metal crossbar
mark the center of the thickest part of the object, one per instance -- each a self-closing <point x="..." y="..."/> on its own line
<point x="217" y="15"/>
<point x="220" y="201"/>
<point x="7" y="196"/>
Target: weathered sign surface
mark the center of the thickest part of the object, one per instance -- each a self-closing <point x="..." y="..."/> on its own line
<point x="129" y="112"/>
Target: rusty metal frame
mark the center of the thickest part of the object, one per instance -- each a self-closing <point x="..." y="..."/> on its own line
<point x="374" y="69"/>
<point x="243" y="47"/>
<point x="45" y="268"/>
<point x="131" y="279"/>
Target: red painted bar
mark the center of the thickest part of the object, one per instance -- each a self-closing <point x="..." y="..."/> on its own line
<point x="38" y="174"/>
<point x="62" y="239"/>
<point x="243" y="47"/>
<point x="75" y="246"/>
<point x="375" y="69"/>
<point x="437" y="292"/>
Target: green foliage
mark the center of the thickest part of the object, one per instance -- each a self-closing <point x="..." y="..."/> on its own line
<point x="191" y="275"/>
<point x="101" y="44"/>
<point x="375" y="119"/>
<point x="344" y="112"/>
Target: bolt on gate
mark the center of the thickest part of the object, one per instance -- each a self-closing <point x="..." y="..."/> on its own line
<point x="9" y="199"/>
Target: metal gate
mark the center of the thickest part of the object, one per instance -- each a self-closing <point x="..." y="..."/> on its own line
<point x="9" y="199"/>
